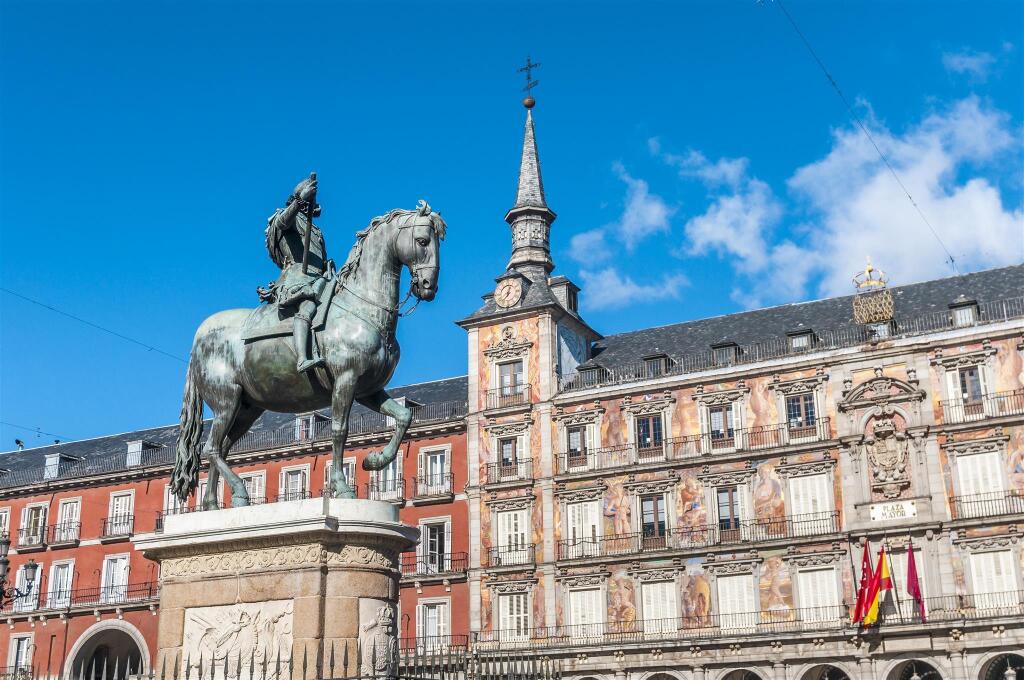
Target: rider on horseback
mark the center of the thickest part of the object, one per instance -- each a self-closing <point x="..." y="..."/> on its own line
<point x="303" y="274"/>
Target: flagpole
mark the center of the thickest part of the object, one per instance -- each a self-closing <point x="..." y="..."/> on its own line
<point x="895" y="585"/>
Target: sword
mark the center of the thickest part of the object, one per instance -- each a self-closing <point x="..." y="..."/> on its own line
<point x="309" y="226"/>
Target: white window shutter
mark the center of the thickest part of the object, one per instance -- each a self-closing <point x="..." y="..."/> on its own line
<point x="421" y="615"/>
<point x="953" y="392"/>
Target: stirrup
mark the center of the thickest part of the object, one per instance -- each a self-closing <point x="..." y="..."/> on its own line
<point x="310" y="363"/>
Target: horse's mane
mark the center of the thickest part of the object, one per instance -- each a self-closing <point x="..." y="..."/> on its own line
<point x="422" y="210"/>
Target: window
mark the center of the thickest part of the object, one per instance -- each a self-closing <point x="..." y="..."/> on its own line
<point x="33" y="526"/>
<point x="29" y="602"/>
<point x="965" y="315"/>
<point x="434" y="478"/>
<point x="309" y="426"/>
<point x="649" y="435"/>
<point x="800" y="341"/>
<point x="981" y="480"/>
<point x="724" y="354"/>
<point x="722" y="428"/>
<point x="992" y="579"/>
<point x="133" y="458"/>
<point x="119" y="521"/>
<point x="514" y="616"/>
<point x="585" y="612"/>
<point x="653" y="522"/>
<point x="388" y="481"/>
<point x="736" y="604"/>
<point x="255" y="486"/>
<point x="508" y="449"/>
<point x="52" y="466"/>
<point x="576" y="445"/>
<point x="435" y="544"/>
<point x="201" y="491"/>
<point x="432" y="624"/>
<point x="293" y="483"/>
<point x="5" y="522"/>
<point x="879" y="330"/>
<point x="114" y="586"/>
<point x="583" y="530"/>
<point x="654" y="366"/>
<point x="810" y="504"/>
<point x="658" y="599"/>
<point x="172" y="505"/>
<point x="66" y="529"/>
<point x="731" y="510"/>
<point x="59" y="594"/>
<point x="512" y="538"/>
<point x="510" y="378"/>
<point x="819" y="595"/>
<point x="20" y="654"/>
<point x="902" y="600"/>
<point x="800" y="414"/>
<point x="348" y="472"/>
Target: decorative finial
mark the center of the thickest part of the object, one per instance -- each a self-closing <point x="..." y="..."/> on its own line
<point x="529" y="102"/>
<point x="870" y="279"/>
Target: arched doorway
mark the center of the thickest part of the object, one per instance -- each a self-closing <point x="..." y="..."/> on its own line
<point x="826" y="672"/>
<point x="742" y="674"/>
<point x="1003" y="667"/>
<point x="914" y="670"/>
<point x="105" y="647"/>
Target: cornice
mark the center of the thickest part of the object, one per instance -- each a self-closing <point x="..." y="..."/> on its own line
<point x="721" y="397"/>
<point x="964" y="359"/>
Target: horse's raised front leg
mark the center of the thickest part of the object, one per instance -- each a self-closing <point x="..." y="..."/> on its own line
<point x="382" y="403"/>
<point x="226" y="410"/>
<point x="341" y="404"/>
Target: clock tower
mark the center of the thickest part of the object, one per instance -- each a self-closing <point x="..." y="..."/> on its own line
<point x="527" y="333"/>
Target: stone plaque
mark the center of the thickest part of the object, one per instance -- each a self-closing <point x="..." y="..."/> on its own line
<point x="896" y="510"/>
<point x="256" y="630"/>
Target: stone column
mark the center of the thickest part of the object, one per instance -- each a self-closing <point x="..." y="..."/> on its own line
<point x="314" y="579"/>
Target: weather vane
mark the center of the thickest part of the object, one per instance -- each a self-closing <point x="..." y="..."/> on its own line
<point x="528" y="102"/>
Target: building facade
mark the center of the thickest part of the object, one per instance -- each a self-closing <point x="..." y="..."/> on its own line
<point x="73" y="509"/>
<point x="688" y="502"/>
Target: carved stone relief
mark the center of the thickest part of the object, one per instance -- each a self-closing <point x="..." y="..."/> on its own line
<point x="887" y="451"/>
<point x="508" y="346"/>
<point x="261" y="559"/>
<point x="378" y="641"/>
<point x="253" y="630"/>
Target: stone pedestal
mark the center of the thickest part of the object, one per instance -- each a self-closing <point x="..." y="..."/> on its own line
<point x="313" y="579"/>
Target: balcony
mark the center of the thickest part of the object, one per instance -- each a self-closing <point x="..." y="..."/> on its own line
<point x="702" y="537"/>
<point x="85" y="598"/>
<point x="432" y="487"/>
<point x="415" y="566"/>
<point x="32" y="538"/>
<point x="64" y="535"/>
<point x="433" y="644"/>
<point x="695" y="446"/>
<point x="511" y="556"/>
<point x="508" y="397"/>
<point x="510" y="472"/>
<point x="390" y="490"/>
<point x="23" y="672"/>
<point x="988" y="406"/>
<point x="990" y="504"/>
<point x="117" y="528"/>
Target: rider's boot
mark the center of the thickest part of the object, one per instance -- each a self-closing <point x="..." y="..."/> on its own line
<point x="300" y="337"/>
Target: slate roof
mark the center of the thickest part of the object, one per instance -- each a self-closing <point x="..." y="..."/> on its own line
<point x="619" y="351"/>
<point x="103" y="454"/>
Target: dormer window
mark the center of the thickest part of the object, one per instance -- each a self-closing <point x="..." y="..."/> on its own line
<point x="964" y="312"/>
<point x="135" y="448"/>
<point x="724" y="353"/>
<point x="801" y="340"/>
<point x="309" y="425"/>
<point x="879" y="331"/>
<point x="655" y="365"/>
<point x="52" y="468"/>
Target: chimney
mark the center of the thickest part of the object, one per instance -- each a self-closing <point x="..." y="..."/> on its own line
<point x="20" y="444"/>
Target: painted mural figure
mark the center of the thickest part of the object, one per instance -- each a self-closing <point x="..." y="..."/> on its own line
<point x="691" y="510"/>
<point x="621" y="602"/>
<point x="616" y="506"/>
<point x="696" y="600"/>
<point x="776" y="589"/>
<point x="769" y="499"/>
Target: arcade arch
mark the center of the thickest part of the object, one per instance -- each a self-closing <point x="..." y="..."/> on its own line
<point x="106" y="645"/>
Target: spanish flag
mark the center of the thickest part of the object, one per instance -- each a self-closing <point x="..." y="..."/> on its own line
<point x="880" y="583"/>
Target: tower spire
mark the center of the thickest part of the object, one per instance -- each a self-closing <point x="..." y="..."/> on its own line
<point x="530" y="217"/>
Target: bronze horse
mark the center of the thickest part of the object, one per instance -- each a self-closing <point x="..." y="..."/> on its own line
<point x="240" y="380"/>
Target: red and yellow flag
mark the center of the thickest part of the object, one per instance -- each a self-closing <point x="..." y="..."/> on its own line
<point x="880" y="583"/>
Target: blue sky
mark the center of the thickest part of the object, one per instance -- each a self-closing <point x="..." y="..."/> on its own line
<point x="697" y="158"/>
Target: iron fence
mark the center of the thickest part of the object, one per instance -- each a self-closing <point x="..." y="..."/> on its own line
<point x="508" y="396"/>
<point x="31" y="537"/>
<point x="512" y="555"/>
<point x="991" y="504"/>
<point x="392" y="490"/>
<point x="430" y="564"/>
<point x="120" y="526"/>
<point x="778" y="348"/>
<point x="65" y="533"/>
<point x="987" y="406"/>
<point x="434" y="485"/>
<point x="519" y="470"/>
<point x="60" y="599"/>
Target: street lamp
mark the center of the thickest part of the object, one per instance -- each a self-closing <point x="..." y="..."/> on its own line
<point x="9" y="594"/>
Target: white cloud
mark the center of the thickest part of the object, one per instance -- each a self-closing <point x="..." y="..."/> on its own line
<point x="736" y="224"/>
<point x="724" y="171"/>
<point x="608" y="289"/>
<point x="589" y="247"/>
<point x="975" y="65"/>
<point x="644" y="214"/>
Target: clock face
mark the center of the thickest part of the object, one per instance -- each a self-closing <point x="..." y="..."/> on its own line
<point x="508" y="292"/>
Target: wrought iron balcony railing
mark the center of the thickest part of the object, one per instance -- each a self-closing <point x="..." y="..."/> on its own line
<point x="990" y="504"/>
<point x="987" y="406"/>
<point x="392" y="490"/>
<point x="32" y="537"/>
<point x="520" y="470"/>
<point x="777" y="348"/>
<point x="67" y="598"/>
<point x="65" y="533"/>
<point x="432" y="644"/>
<point x="434" y="485"/>
<point x="120" y="526"/>
<point x="511" y="555"/>
<point x="508" y="396"/>
<point x="725" y="533"/>
<point x="431" y="564"/>
<point x="695" y="446"/>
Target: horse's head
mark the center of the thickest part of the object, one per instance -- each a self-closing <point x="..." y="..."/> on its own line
<point x="418" y="247"/>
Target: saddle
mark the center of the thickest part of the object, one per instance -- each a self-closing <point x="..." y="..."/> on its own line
<point x="271" y="321"/>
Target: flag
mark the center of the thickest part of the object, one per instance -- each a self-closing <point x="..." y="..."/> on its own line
<point x="880" y="583"/>
<point x="861" y="607"/>
<point x="913" y="582"/>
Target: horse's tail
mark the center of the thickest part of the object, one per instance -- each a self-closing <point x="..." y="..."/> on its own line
<point x="185" y="476"/>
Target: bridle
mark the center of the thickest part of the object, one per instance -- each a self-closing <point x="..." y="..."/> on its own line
<point x="414" y="277"/>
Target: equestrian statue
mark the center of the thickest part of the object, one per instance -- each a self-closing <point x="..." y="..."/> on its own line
<point x="321" y="338"/>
